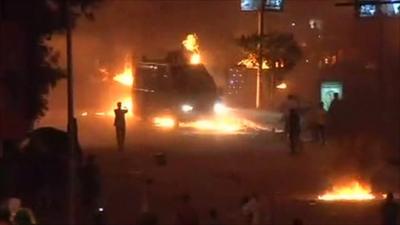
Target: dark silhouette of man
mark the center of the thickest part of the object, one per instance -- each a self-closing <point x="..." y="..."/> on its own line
<point x="294" y="130"/>
<point x="120" y="126"/>
<point x="390" y="210"/>
<point x="334" y="102"/>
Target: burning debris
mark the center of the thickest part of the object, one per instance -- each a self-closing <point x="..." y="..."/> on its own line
<point x="191" y="44"/>
<point x="251" y="62"/>
<point x="126" y="76"/>
<point x="349" y="191"/>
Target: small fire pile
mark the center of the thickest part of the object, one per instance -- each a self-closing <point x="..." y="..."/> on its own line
<point x="191" y="44"/>
<point x="349" y="191"/>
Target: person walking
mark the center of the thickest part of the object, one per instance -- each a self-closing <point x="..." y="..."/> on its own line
<point x="390" y="210"/>
<point x="120" y="126"/>
<point x="290" y="103"/>
<point x="294" y="130"/>
<point x="320" y="123"/>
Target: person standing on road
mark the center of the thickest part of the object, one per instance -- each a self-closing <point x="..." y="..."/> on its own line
<point x="294" y="130"/>
<point x="390" y="210"/>
<point x="120" y="126"/>
<point x="289" y="104"/>
<point x="320" y="126"/>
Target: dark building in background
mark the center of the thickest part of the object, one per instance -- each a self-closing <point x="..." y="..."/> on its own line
<point x="240" y="87"/>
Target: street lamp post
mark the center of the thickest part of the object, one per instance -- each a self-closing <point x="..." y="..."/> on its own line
<point x="260" y="51"/>
<point x="71" y="119"/>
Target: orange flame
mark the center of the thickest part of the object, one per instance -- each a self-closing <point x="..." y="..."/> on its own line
<point x="251" y="62"/>
<point x="352" y="191"/>
<point x="191" y="44"/>
<point x="126" y="76"/>
<point x="164" y="122"/>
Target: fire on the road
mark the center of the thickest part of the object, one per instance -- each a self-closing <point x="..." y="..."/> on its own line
<point x="164" y="122"/>
<point x="351" y="191"/>
<point x="191" y="44"/>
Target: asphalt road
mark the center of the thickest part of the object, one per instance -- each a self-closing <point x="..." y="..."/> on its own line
<point x="219" y="170"/>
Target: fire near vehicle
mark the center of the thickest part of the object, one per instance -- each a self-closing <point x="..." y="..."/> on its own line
<point x="183" y="91"/>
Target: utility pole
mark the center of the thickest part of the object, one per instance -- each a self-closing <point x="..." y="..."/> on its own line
<point x="260" y="51"/>
<point x="71" y="119"/>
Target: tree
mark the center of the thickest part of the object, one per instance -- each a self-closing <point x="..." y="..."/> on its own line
<point x="280" y="50"/>
<point x="38" y="20"/>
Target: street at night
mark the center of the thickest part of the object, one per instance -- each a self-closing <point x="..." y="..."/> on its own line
<point x="219" y="112"/>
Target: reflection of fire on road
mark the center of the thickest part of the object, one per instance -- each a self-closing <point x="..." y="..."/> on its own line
<point x="191" y="44"/>
<point x="223" y="122"/>
<point x="350" y="191"/>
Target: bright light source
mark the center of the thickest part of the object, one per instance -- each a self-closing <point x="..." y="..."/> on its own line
<point x="187" y="108"/>
<point x="282" y="86"/>
<point x="195" y="59"/>
<point x="164" y="122"/>
<point x="220" y="108"/>
<point x="84" y="114"/>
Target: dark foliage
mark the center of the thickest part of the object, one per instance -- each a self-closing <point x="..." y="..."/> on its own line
<point x="276" y="47"/>
<point x="40" y="19"/>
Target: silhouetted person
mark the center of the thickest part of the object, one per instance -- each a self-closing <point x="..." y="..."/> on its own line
<point x="290" y="103"/>
<point x="214" y="218"/>
<point x="90" y="182"/>
<point x="120" y="126"/>
<point x="187" y="215"/>
<point x="390" y="210"/>
<point x="294" y="130"/>
<point x="334" y="103"/>
<point x="320" y="126"/>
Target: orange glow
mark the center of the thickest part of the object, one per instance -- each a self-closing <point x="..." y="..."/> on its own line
<point x="164" y="122"/>
<point x="126" y="76"/>
<point x="282" y="86"/>
<point x="351" y="191"/>
<point x="84" y="114"/>
<point x="219" y="124"/>
<point x="191" y="44"/>
<point x="251" y="62"/>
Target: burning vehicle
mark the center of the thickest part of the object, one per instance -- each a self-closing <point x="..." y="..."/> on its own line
<point x="171" y="89"/>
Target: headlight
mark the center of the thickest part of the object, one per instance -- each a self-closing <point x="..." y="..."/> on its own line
<point x="186" y="108"/>
<point x="220" y="108"/>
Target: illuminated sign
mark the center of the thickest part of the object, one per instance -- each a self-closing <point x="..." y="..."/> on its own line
<point x="328" y="90"/>
<point x="392" y="9"/>
<point x="387" y="9"/>
<point x="254" y="5"/>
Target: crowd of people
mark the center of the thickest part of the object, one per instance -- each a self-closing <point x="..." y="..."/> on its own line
<point x="318" y="120"/>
